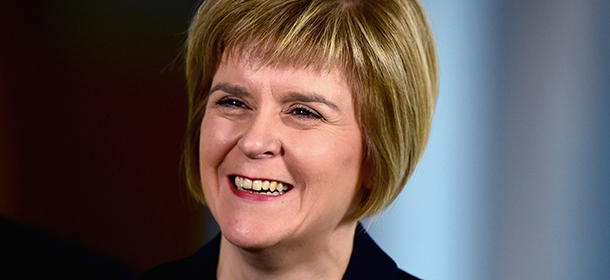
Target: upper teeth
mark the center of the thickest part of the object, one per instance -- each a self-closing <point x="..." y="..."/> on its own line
<point x="271" y="187"/>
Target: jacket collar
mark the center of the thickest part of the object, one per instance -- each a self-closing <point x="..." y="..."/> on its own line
<point x="367" y="261"/>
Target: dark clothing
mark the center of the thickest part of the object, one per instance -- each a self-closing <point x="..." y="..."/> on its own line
<point x="368" y="261"/>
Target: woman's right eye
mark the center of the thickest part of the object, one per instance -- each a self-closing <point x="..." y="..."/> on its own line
<point x="231" y="102"/>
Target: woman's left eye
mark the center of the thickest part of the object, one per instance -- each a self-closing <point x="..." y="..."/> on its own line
<point x="303" y="112"/>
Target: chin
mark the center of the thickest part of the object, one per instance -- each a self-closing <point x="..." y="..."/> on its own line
<point x="251" y="234"/>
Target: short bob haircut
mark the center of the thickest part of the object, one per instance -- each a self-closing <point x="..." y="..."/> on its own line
<point x="385" y="49"/>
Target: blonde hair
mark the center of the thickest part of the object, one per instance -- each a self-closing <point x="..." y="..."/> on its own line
<point x="384" y="47"/>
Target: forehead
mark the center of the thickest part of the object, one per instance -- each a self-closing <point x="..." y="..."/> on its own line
<point x="253" y="72"/>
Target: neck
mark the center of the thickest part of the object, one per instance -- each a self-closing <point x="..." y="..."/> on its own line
<point x="321" y="257"/>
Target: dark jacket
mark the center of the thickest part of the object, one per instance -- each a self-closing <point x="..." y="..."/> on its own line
<point x="368" y="261"/>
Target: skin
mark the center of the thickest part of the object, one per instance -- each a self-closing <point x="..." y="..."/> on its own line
<point x="296" y="126"/>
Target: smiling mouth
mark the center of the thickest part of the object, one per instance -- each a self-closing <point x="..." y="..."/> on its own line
<point x="265" y="187"/>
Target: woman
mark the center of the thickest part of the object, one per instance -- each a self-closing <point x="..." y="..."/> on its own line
<point x="305" y="116"/>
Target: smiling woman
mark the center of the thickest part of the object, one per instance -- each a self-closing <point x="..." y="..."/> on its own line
<point x="305" y="116"/>
<point x="265" y="134"/>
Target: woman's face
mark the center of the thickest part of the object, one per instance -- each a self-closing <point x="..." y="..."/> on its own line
<point x="264" y="126"/>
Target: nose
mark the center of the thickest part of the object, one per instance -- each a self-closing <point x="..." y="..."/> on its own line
<point x="261" y="137"/>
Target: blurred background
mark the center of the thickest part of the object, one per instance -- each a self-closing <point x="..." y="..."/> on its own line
<point x="92" y="118"/>
<point x="512" y="186"/>
<point x="515" y="183"/>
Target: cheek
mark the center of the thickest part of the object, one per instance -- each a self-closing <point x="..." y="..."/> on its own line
<point x="332" y="159"/>
<point x="215" y="142"/>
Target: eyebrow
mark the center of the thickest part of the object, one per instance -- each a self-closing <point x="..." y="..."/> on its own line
<point x="230" y="89"/>
<point x="292" y="96"/>
<point x="311" y="97"/>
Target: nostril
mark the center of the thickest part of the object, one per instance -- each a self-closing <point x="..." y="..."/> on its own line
<point x="265" y="154"/>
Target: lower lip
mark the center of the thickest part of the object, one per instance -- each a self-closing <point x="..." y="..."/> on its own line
<point x="253" y="196"/>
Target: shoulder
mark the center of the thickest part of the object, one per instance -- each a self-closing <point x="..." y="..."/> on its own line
<point x="405" y="276"/>
<point x="201" y="265"/>
<point x="368" y="261"/>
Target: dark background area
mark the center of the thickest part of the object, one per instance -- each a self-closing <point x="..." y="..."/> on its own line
<point x="92" y="118"/>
